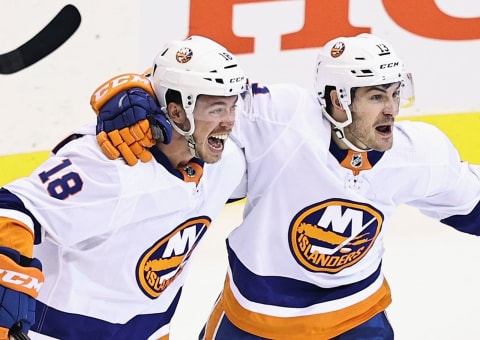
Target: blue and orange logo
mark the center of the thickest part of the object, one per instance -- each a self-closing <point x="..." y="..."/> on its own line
<point x="161" y="264"/>
<point x="337" y="49"/>
<point x="333" y="235"/>
<point x="184" y="55"/>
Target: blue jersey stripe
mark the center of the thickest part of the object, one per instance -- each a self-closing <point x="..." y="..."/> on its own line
<point x="62" y="325"/>
<point x="282" y="291"/>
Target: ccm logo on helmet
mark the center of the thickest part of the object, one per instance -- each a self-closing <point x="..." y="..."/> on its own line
<point x="389" y="65"/>
<point x="236" y="80"/>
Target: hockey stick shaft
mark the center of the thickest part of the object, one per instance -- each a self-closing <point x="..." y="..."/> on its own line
<point x="51" y="37"/>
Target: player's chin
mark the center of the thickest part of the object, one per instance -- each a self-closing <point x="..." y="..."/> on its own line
<point x="210" y="156"/>
<point x="210" y="159"/>
<point x="383" y="144"/>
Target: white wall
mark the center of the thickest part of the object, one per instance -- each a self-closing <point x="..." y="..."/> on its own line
<point x="44" y="102"/>
<point x="49" y="99"/>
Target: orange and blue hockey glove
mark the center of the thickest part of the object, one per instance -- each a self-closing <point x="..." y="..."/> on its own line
<point x="129" y="120"/>
<point x="20" y="281"/>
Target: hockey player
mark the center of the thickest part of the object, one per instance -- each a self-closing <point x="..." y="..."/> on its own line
<point x="114" y="240"/>
<point x="325" y="174"/>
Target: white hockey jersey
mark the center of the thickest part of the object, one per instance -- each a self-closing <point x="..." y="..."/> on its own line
<point x="115" y="239"/>
<point x="306" y="261"/>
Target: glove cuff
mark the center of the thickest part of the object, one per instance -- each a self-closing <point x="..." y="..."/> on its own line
<point x="114" y="86"/>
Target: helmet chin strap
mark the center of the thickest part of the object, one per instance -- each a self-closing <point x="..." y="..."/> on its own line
<point x="339" y="130"/>
<point x="192" y="145"/>
<point x="340" y="133"/>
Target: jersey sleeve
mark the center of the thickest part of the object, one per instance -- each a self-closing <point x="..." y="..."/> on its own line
<point x="77" y="183"/>
<point x="454" y="186"/>
<point x="268" y="110"/>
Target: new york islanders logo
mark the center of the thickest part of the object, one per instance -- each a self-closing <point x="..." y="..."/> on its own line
<point x="184" y="55"/>
<point x="332" y="235"/>
<point x="337" y="49"/>
<point x="165" y="260"/>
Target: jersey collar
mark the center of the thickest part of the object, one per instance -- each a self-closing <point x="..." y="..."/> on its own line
<point x="192" y="172"/>
<point x="355" y="160"/>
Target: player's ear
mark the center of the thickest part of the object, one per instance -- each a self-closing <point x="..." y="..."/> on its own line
<point x="178" y="115"/>
<point x="338" y="113"/>
<point x="334" y="100"/>
<point x="175" y="112"/>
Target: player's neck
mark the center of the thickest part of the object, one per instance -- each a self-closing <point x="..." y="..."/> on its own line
<point x="176" y="151"/>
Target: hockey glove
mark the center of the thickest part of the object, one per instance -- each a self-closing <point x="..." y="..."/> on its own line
<point x="20" y="281"/>
<point x="129" y="119"/>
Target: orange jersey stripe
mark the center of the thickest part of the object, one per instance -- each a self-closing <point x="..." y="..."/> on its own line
<point x="317" y="326"/>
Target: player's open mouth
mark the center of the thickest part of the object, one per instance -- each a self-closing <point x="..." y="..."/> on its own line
<point x="384" y="129"/>
<point x="217" y="141"/>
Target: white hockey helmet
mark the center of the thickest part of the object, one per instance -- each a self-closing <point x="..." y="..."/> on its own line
<point x="195" y="66"/>
<point x="362" y="60"/>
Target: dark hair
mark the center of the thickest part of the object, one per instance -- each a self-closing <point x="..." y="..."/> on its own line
<point x="329" y="88"/>
<point x="173" y="96"/>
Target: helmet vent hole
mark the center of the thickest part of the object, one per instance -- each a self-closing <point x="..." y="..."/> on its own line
<point x="230" y="66"/>
<point x="362" y="73"/>
<point x="216" y="80"/>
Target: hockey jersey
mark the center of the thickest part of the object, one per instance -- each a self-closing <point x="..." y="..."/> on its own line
<point x="115" y="240"/>
<point x="306" y="263"/>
